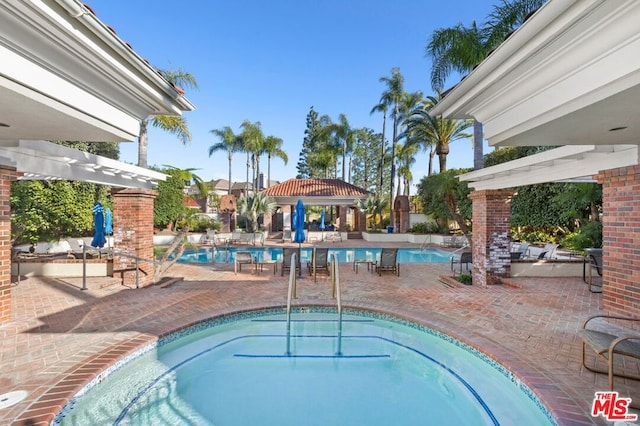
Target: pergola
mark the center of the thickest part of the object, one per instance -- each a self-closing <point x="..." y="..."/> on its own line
<point x="65" y="75"/>
<point x="569" y="76"/>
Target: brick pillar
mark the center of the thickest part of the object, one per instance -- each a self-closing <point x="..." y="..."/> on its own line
<point x="133" y="232"/>
<point x="361" y="221"/>
<point x="490" y="245"/>
<point x="342" y="217"/>
<point x="7" y="175"/>
<point x="620" y="240"/>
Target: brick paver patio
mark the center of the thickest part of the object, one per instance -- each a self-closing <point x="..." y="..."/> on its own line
<point x="61" y="337"/>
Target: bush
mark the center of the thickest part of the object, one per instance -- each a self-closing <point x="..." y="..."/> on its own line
<point x="589" y="235"/>
<point x="425" y="228"/>
<point x="465" y="279"/>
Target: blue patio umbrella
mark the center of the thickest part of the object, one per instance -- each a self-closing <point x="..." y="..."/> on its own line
<point x="108" y="221"/>
<point x="298" y="224"/>
<point x="322" y="226"/>
<point x="98" y="225"/>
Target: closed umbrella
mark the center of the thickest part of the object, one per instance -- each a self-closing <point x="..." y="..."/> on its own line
<point x="299" y="228"/>
<point x="322" y="227"/>
<point x="98" y="225"/>
<point x="108" y="221"/>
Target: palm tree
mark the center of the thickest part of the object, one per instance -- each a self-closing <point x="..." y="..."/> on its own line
<point x="253" y="142"/>
<point x="406" y="159"/>
<point x="346" y="135"/>
<point x="172" y="124"/>
<point x="436" y="131"/>
<point x="461" y="48"/>
<point x="373" y="205"/>
<point x="273" y="148"/>
<point x="381" y="107"/>
<point x="393" y="96"/>
<point x="254" y="205"/>
<point x="229" y="142"/>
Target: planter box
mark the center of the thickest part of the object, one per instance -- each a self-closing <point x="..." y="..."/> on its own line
<point x="546" y="268"/>
<point x="385" y="238"/>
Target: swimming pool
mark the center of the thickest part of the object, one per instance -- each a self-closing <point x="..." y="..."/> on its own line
<point x="224" y="254"/>
<point x="234" y="370"/>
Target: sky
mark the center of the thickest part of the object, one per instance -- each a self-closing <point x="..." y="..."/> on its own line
<point x="271" y="60"/>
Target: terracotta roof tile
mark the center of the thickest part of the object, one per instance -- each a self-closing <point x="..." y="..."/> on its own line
<point x="190" y="202"/>
<point x="315" y="188"/>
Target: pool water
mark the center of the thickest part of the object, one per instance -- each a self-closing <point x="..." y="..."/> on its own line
<point x="238" y="373"/>
<point x="224" y="254"/>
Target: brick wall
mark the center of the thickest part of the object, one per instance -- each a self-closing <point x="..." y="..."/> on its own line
<point x="133" y="232"/>
<point x="7" y="175"/>
<point x="490" y="245"/>
<point x="621" y="240"/>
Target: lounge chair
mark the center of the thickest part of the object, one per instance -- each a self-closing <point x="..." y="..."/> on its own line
<point x="286" y="259"/>
<point x="522" y="248"/>
<point x="242" y="258"/>
<point x="464" y="259"/>
<point x="319" y="260"/>
<point x="550" y="250"/>
<point x="594" y="257"/>
<point x="388" y="261"/>
<point x="609" y="344"/>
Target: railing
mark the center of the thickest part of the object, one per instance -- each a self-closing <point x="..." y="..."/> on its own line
<point x="291" y="294"/>
<point x="337" y="294"/>
<point x="114" y="252"/>
<point x="427" y="241"/>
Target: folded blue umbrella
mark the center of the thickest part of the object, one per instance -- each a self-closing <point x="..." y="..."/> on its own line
<point x="108" y="221"/>
<point x="98" y="226"/>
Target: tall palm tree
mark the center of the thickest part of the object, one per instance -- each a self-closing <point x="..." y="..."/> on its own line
<point x="273" y="148"/>
<point x="253" y="143"/>
<point x="393" y="96"/>
<point x="406" y="159"/>
<point x="229" y="142"/>
<point x="176" y="125"/>
<point x="436" y="131"/>
<point x="381" y="107"/>
<point x="461" y="48"/>
<point x="345" y="135"/>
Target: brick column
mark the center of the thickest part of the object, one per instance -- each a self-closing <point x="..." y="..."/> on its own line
<point x="342" y="217"/>
<point x="7" y="175"/>
<point x="133" y="232"/>
<point x="620" y="240"/>
<point x="490" y="245"/>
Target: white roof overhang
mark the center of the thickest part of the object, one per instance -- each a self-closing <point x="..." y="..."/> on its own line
<point x="65" y="75"/>
<point x="567" y="76"/>
<point x="567" y="163"/>
<point x="41" y="160"/>
<point x="315" y="201"/>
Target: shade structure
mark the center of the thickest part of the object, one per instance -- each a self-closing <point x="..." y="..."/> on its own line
<point x="108" y="221"/>
<point x="298" y="224"/>
<point x="98" y="226"/>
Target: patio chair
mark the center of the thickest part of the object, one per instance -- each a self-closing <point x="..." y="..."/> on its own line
<point x="464" y="259"/>
<point x="388" y="261"/>
<point x="242" y="258"/>
<point x="550" y="249"/>
<point x="522" y="248"/>
<point x="286" y="259"/>
<point x="319" y="260"/>
<point x="594" y="258"/>
<point x="609" y="344"/>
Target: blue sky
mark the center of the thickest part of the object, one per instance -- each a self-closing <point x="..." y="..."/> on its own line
<point x="270" y="61"/>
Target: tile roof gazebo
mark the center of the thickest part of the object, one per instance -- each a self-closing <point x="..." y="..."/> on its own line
<point x="319" y="192"/>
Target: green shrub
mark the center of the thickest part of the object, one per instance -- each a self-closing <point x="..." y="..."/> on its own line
<point x="465" y="279"/>
<point x="589" y="235"/>
<point x="425" y="228"/>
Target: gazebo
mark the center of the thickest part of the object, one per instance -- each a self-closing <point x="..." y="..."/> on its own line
<point x="570" y="77"/>
<point x="316" y="192"/>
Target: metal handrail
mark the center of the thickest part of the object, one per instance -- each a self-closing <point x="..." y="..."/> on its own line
<point x="291" y="294"/>
<point x="113" y="252"/>
<point x="424" y="244"/>
<point x="337" y="294"/>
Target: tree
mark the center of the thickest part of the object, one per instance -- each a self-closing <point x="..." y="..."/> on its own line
<point x="345" y="137"/>
<point x="428" y="131"/>
<point x="168" y="207"/>
<point x="393" y="96"/>
<point x="176" y="125"/>
<point x="273" y="148"/>
<point x="253" y="144"/>
<point x="308" y="144"/>
<point x="366" y="160"/>
<point x="373" y="205"/>
<point x="255" y="205"/>
<point x="406" y="159"/>
<point x="461" y="48"/>
<point x="381" y="107"/>
<point x="229" y="142"/>
<point x="445" y="197"/>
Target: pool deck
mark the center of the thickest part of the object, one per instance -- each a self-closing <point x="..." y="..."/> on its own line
<point x="60" y="338"/>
